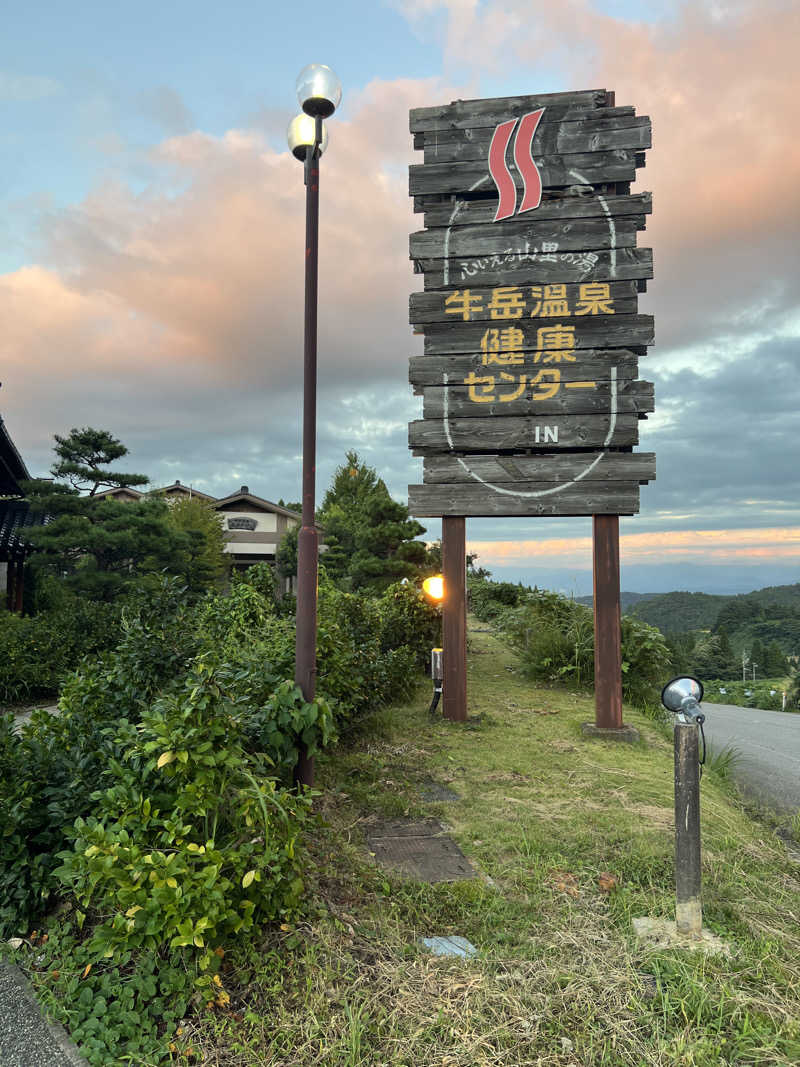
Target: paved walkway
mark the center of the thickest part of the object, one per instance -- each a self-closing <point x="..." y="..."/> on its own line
<point x="27" y="1039"/>
<point x="768" y="743"/>
<point x="21" y="717"/>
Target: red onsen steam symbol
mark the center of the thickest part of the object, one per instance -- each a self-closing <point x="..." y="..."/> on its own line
<point x="523" y="157"/>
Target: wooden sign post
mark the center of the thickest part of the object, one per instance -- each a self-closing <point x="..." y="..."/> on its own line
<point x="531" y="398"/>
<point x="454" y="618"/>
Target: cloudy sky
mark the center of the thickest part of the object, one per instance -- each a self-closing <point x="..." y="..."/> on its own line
<point x="151" y="251"/>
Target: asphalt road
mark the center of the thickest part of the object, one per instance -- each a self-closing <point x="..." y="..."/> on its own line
<point x="768" y="743"/>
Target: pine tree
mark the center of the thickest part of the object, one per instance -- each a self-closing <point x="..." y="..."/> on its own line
<point x="99" y="547"/>
<point x="83" y="460"/>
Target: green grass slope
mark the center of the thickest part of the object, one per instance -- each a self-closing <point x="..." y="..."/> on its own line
<point x="572" y="839"/>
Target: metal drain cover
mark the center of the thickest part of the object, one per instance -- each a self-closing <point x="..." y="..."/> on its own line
<point x="420" y="850"/>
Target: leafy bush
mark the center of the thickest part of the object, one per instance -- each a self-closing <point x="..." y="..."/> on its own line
<point x="488" y="600"/>
<point x="59" y="769"/>
<point x="261" y="576"/>
<point x="645" y="661"/>
<point x="355" y="672"/>
<point x="191" y="841"/>
<point x="124" y="1010"/>
<point x="39" y="651"/>
<point x="407" y="618"/>
<point x="555" y="638"/>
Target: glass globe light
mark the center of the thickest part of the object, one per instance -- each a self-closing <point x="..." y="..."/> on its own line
<point x="318" y="90"/>
<point x="300" y="136"/>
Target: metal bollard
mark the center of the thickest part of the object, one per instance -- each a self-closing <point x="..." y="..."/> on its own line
<point x="682" y="697"/>
<point x="688" y="908"/>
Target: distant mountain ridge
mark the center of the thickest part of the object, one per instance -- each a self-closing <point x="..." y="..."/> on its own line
<point x="628" y="600"/>
<point x="678" y="612"/>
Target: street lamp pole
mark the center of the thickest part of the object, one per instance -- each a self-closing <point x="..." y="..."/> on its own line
<point x="319" y="92"/>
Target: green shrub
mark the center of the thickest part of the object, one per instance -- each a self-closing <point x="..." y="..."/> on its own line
<point x="192" y="841"/>
<point x="764" y="694"/>
<point x="39" y="651"/>
<point x="407" y="618"/>
<point x="369" y="649"/>
<point x="488" y="600"/>
<point x="121" y="1010"/>
<point x="555" y="638"/>
<point x="53" y="774"/>
<point x="646" y="661"/>
<point x="260" y="576"/>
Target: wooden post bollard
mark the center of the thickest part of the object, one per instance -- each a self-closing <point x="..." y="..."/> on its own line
<point x="688" y="908"/>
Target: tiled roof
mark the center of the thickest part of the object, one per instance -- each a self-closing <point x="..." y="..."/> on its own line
<point x="15" y="517"/>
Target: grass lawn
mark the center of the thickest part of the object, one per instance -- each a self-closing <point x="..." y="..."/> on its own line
<point x="546" y="817"/>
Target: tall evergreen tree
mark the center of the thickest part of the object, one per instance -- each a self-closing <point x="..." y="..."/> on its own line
<point x="369" y="537"/>
<point x="206" y="562"/>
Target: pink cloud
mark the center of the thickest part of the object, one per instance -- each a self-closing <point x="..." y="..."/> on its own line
<point x="721" y="85"/>
<point x="686" y="545"/>
<point x="200" y="278"/>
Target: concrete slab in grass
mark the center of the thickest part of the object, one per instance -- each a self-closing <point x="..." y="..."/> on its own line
<point x="663" y="933"/>
<point x="27" y="1038"/>
<point x="610" y="733"/>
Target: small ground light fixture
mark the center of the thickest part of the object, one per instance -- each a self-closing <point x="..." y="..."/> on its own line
<point x="437" y="676"/>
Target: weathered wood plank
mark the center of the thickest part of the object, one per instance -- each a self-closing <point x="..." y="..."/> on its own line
<point x="519" y="433"/>
<point x="555" y="171"/>
<point x="487" y="240"/>
<point x="552" y="139"/>
<point x="546" y="468"/>
<point x="597" y="120"/>
<point x="481" y="305"/>
<point x="519" y="267"/>
<point x="465" y="114"/>
<point x="618" y="498"/>
<point x="457" y="212"/>
<point x="576" y="191"/>
<point x="459" y="401"/>
<point x="595" y="363"/>
<point x="588" y="331"/>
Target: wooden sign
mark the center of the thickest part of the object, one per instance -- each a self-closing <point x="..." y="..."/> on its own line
<point x="532" y="337"/>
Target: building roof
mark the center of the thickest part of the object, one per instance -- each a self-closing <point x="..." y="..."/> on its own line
<point x="15" y="516"/>
<point x="12" y="467"/>
<point x="259" y="503"/>
<point x="121" y="491"/>
<point x="178" y="489"/>
<point x="244" y="495"/>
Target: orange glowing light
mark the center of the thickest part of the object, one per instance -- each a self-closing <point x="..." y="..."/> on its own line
<point x="434" y="587"/>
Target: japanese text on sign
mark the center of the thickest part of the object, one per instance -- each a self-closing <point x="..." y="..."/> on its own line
<point x="543" y="385"/>
<point x="536" y="301"/>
